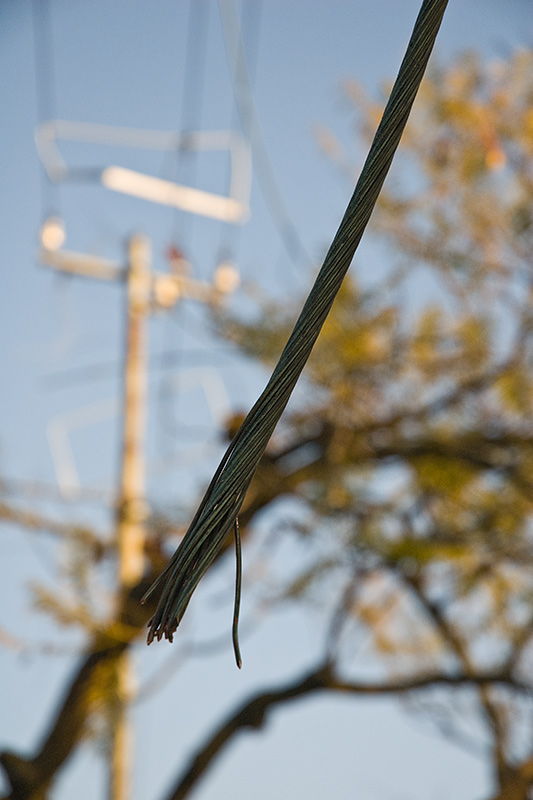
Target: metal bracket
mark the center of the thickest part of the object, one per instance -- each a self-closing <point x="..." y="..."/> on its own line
<point x="233" y="207"/>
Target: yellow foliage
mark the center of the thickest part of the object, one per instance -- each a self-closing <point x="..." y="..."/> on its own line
<point x="427" y="339"/>
<point x="421" y="410"/>
<point x="442" y="475"/>
<point x="515" y="389"/>
<point x="474" y="335"/>
<point x="495" y="158"/>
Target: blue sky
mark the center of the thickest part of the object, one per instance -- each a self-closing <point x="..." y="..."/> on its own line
<point x="125" y="63"/>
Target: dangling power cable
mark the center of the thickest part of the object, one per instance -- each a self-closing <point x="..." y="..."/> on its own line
<point x="221" y="503"/>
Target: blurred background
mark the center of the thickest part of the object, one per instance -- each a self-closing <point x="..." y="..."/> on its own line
<point x="173" y="175"/>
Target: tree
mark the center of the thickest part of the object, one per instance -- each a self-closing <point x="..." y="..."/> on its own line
<point x="411" y="445"/>
<point x="408" y="452"/>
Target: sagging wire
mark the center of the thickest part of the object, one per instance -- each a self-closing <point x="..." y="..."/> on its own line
<point x="185" y="168"/>
<point x="222" y="501"/>
<point x="45" y="92"/>
<point x="244" y="99"/>
<point x="250" y="32"/>
<point x="192" y="104"/>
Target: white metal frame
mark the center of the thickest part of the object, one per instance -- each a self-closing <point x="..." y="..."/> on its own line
<point x="232" y="208"/>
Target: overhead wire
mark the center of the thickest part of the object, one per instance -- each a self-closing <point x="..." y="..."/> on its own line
<point x="251" y="17"/>
<point x="47" y="110"/>
<point x="191" y="105"/>
<point x="244" y="98"/>
<point x="45" y="92"/>
<point x="195" y="65"/>
<point x="250" y="26"/>
<point x="190" y="117"/>
<point x="50" y="193"/>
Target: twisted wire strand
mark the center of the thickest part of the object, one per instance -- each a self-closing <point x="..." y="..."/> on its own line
<point x="222" y="501"/>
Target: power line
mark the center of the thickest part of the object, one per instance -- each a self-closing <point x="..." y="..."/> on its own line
<point x="230" y="236"/>
<point x="242" y="87"/>
<point x="251" y="33"/>
<point x="45" y="91"/>
<point x="195" y="65"/>
<point x="186" y="164"/>
<point x="192" y="99"/>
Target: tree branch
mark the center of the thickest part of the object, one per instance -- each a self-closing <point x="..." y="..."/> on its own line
<point x="30" y="778"/>
<point x="30" y="520"/>
<point x="252" y="714"/>
<point x="489" y="707"/>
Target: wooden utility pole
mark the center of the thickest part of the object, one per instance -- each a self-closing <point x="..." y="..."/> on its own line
<point x="146" y="290"/>
<point x="131" y="510"/>
<point x="131" y="507"/>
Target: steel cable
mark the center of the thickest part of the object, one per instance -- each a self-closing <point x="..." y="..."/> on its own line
<point x="221" y="503"/>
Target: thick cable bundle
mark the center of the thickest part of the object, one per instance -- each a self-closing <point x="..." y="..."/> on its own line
<point x="220" y="506"/>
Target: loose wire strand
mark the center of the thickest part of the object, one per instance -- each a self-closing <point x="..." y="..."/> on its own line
<point x="238" y="590"/>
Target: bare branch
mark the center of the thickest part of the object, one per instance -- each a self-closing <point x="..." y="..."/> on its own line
<point x="30" y="778"/>
<point x="30" y="520"/>
<point x="252" y="714"/>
